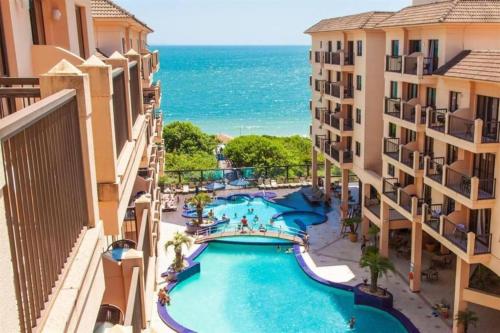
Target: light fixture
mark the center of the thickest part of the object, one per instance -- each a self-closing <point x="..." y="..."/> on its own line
<point x="56" y="14"/>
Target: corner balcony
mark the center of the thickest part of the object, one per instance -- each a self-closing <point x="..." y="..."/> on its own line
<point x="462" y="130"/>
<point x="456" y="181"/>
<point x="453" y="232"/>
<point x="340" y="156"/>
<point x="405" y="157"/>
<point x="409" y="114"/>
<point x="339" y="61"/>
<point x="413" y="68"/>
<point x="338" y="123"/>
<point x="404" y="200"/>
<point x="339" y="92"/>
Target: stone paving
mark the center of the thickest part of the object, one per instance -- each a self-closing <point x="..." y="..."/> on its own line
<point x="331" y="256"/>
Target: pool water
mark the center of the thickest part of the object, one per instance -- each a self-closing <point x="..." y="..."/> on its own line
<point x="256" y="288"/>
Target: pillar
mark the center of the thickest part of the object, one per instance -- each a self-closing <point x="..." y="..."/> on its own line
<point x="416" y="256"/>
<point x="365" y="225"/>
<point x="66" y="76"/>
<point x="314" y="168"/>
<point x="384" y="230"/>
<point x="328" y="180"/>
<point x="344" y="205"/>
<point x="461" y="282"/>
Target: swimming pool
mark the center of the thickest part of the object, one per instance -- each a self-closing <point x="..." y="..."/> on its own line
<point x="250" y="288"/>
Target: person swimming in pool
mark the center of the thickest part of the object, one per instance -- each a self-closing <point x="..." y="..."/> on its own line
<point x="235" y="215"/>
<point x="352" y="322"/>
<point x="256" y="218"/>
<point x="262" y="228"/>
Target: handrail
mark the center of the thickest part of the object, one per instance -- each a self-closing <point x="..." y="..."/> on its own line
<point x="18" y="121"/>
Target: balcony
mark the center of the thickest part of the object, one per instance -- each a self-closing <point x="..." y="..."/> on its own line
<point x="339" y="58"/>
<point x="393" y="64"/>
<point x="339" y="123"/>
<point x="470" y="187"/>
<point x="411" y="157"/>
<point x="373" y="205"/>
<point x="393" y="107"/>
<point x="339" y="90"/>
<point x="434" y="170"/>
<point x="432" y="215"/>
<point x="418" y="65"/>
<point x="467" y="241"/>
<point x="390" y="188"/>
<point x="391" y="148"/>
<point x="341" y="156"/>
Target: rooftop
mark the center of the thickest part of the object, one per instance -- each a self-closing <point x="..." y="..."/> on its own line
<point x="108" y="9"/>
<point x="455" y="11"/>
<point x="368" y="20"/>
<point x="479" y="65"/>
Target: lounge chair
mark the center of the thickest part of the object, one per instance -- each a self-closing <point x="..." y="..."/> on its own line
<point x="185" y="189"/>
<point x="273" y="184"/>
<point x="267" y="184"/>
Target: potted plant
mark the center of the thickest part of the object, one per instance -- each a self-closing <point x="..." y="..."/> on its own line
<point x="199" y="201"/>
<point x="378" y="265"/>
<point x="353" y="223"/>
<point x="466" y="318"/>
<point x="177" y="242"/>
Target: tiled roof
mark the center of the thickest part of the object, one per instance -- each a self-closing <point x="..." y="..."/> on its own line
<point x="473" y="65"/>
<point x="454" y="11"/>
<point x="108" y="9"/>
<point x="366" y="20"/>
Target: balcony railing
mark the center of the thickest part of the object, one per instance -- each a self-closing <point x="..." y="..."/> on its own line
<point x="348" y="59"/>
<point x="407" y="156"/>
<point x="393" y="64"/>
<point x="45" y="190"/>
<point x="373" y="205"/>
<point x="463" y="184"/>
<point x="405" y="200"/>
<point x="409" y="111"/>
<point x="437" y="119"/>
<point x="459" y="235"/>
<point x="135" y="91"/>
<point x="120" y="109"/>
<point x="317" y="114"/>
<point x="432" y="216"/>
<point x="435" y="168"/>
<point x="461" y="128"/>
<point x="430" y="64"/>
<point x="391" y="148"/>
<point x="347" y="156"/>
<point x="411" y="65"/>
<point x="393" y="107"/>
<point x="335" y="58"/>
<point x="390" y="188"/>
<point x="17" y="93"/>
<point x="490" y="132"/>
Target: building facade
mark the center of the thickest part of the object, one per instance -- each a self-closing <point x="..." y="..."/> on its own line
<point x="82" y="152"/>
<point x="438" y="140"/>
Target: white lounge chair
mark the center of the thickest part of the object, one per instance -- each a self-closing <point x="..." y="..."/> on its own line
<point x="185" y="189"/>
<point x="273" y="183"/>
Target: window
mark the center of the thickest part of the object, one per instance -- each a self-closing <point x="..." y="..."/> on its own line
<point x="392" y="130"/>
<point x="395" y="48"/>
<point x="358" y="82"/>
<point x="408" y="179"/>
<point x="409" y="136"/>
<point x="339" y="45"/>
<point x="430" y="98"/>
<point x="415" y="46"/>
<point x="358" y="116"/>
<point x="412" y="91"/>
<point x="337" y="76"/>
<point x="451" y="154"/>
<point x="453" y="101"/>
<point x="330" y="46"/>
<point x="37" y="24"/>
<point x="394" y="89"/>
<point x="358" y="148"/>
<point x="429" y="146"/>
<point x="390" y="170"/>
<point x="359" y="48"/>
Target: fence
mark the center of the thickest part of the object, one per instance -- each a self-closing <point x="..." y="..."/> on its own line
<point x="46" y="206"/>
<point x="17" y="93"/>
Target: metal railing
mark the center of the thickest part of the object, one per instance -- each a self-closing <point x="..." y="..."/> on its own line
<point x="437" y="119"/>
<point x="490" y="132"/>
<point x="409" y="112"/>
<point x="393" y="107"/>
<point x="411" y="65"/>
<point x="405" y="200"/>
<point x="347" y="156"/>
<point x="120" y="109"/>
<point x="373" y="205"/>
<point x="335" y="58"/>
<point x="251" y="228"/>
<point x="435" y="169"/>
<point x="390" y="188"/>
<point x="459" y="182"/>
<point x="393" y="64"/>
<point x="46" y="206"/>
<point x="407" y="156"/>
<point x="455" y="233"/>
<point x="391" y="148"/>
<point x="461" y="128"/>
<point x="432" y="215"/>
<point x="17" y="93"/>
<point x="430" y="64"/>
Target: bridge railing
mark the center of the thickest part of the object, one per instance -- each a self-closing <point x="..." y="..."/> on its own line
<point x="251" y="229"/>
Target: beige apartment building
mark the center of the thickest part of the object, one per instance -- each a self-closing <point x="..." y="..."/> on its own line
<point x="437" y="128"/>
<point x="81" y="155"/>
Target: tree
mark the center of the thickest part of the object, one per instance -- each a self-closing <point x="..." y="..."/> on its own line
<point x="184" y="137"/>
<point x="466" y="318"/>
<point x="193" y="161"/>
<point x="200" y="200"/>
<point x="256" y="151"/>
<point x="378" y="265"/>
<point x="177" y="242"/>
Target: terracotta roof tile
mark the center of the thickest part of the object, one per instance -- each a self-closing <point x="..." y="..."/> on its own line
<point x="366" y="20"/>
<point x="108" y="9"/>
<point x="452" y="11"/>
<point x="480" y="65"/>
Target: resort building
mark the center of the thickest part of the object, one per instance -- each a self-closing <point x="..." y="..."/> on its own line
<point x="436" y="120"/>
<point x="82" y="152"/>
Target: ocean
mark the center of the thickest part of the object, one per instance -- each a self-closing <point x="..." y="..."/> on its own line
<point x="237" y="90"/>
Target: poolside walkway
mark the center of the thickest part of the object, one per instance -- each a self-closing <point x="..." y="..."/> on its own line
<point x="331" y="257"/>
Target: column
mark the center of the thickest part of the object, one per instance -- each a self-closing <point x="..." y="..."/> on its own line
<point x="328" y="180"/>
<point x="344" y="205"/>
<point x="416" y="256"/>
<point x="314" y="168"/>
<point x="461" y="282"/>
<point x="384" y="229"/>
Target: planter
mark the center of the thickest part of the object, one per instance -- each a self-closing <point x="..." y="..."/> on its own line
<point x="353" y="237"/>
<point x="192" y="228"/>
<point x="363" y="297"/>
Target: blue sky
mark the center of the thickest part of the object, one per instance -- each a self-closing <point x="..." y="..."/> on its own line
<point x="247" y="22"/>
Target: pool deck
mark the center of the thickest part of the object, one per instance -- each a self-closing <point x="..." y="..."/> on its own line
<point x="330" y="256"/>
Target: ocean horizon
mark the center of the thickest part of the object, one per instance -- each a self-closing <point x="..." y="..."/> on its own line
<point x="237" y="89"/>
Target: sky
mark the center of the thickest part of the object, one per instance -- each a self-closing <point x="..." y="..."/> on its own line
<point x="243" y="22"/>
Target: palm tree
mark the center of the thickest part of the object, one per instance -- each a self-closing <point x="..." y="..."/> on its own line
<point x="177" y="242"/>
<point x="378" y="265"/>
<point x="199" y="201"/>
<point x="466" y="318"/>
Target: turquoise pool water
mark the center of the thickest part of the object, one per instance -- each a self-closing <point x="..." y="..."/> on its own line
<point x="255" y="288"/>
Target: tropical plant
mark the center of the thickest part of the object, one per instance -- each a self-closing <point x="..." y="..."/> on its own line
<point x="184" y="137"/>
<point x="373" y="231"/>
<point x="378" y="265"/>
<point x="352" y="223"/>
<point x="177" y="242"/>
<point x="466" y="318"/>
<point x="200" y="200"/>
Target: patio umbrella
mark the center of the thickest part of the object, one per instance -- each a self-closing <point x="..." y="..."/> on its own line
<point x="215" y="186"/>
<point x="240" y="182"/>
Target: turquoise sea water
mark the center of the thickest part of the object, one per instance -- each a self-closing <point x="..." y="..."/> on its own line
<point x="237" y="89"/>
<point x="255" y="288"/>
